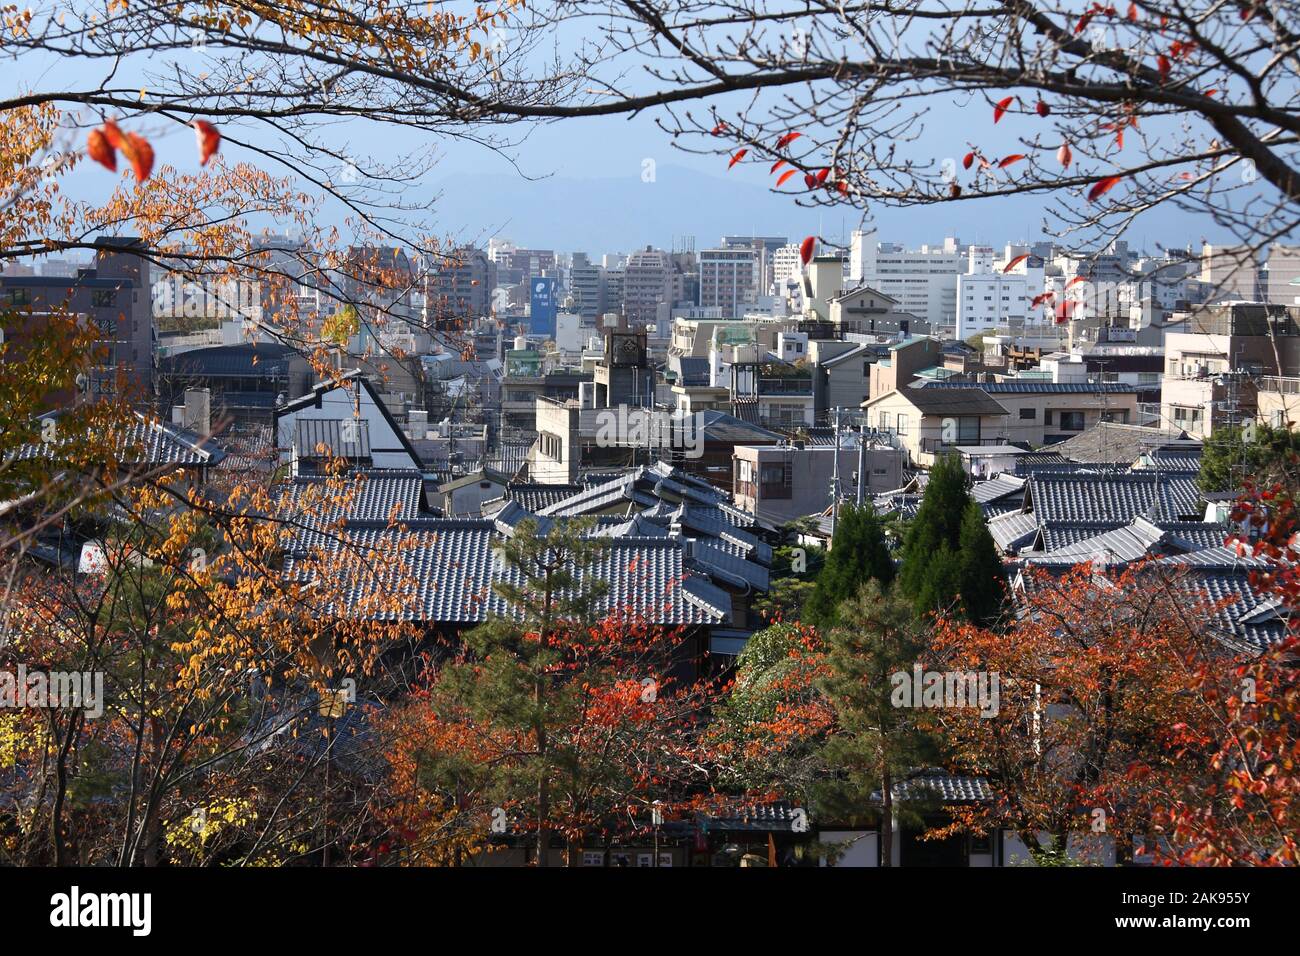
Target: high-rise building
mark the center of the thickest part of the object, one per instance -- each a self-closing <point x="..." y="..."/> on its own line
<point x="647" y="282"/>
<point x="923" y="281"/>
<point x="458" y="286"/>
<point x="727" y="278"/>
<point x="587" y="288"/>
<point x="115" y="295"/>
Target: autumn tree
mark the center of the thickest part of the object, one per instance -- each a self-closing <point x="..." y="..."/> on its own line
<point x="1094" y="678"/>
<point x="569" y="717"/>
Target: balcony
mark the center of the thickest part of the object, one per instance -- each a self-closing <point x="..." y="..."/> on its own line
<point x="1280" y="384"/>
<point x="785" y="386"/>
<point x="937" y="446"/>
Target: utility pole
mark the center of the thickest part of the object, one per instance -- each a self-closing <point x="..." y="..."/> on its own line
<point x="862" y="463"/>
<point x="835" y="477"/>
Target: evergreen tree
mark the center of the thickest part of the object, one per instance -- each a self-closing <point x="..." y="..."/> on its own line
<point x="876" y="743"/>
<point x="858" y="554"/>
<point x="950" y="561"/>
<point x="983" y="581"/>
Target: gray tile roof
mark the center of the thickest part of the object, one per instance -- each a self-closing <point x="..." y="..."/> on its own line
<point x="1002" y="486"/>
<point x="1116" y="443"/>
<point x="140" y="442"/>
<point x="1117" y="498"/>
<point x="1014" y="530"/>
<point x="963" y="400"/>
<point x="450" y="566"/>
<point x="941" y="787"/>
<point x="371" y="496"/>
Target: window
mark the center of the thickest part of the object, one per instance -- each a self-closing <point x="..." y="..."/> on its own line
<point x="18" y="297"/>
<point x="968" y="430"/>
<point x="103" y="298"/>
<point x="593" y="858"/>
<point x="1047" y="416"/>
<point x="1072" y="421"/>
<point x="1028" y="414"/>
<point x="902" y="424"/>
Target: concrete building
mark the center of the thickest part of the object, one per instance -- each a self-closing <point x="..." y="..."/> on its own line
<point x="647" y="283"/>
<point x="778" y="483"/>
<point x="1213" y="367"/>
<point x="728" y="278"/>
<point x="922" y="281"/>
<point x="1282" y="275"/>
<point x="115" y="297"/>
<point x="1231" y="272"/>
<point x="458" y="287"/>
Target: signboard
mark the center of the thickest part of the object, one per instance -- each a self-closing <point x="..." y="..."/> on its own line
<point x="542" y="307"/>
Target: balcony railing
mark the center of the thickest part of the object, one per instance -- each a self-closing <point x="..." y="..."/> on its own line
<point x="1282" y="384"/>
<point x="937" y="446"/>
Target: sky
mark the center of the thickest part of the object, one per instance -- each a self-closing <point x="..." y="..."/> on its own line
<point x="612" y="184"/>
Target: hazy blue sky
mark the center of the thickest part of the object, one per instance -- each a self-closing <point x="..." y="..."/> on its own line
<point x="587" y="190"/>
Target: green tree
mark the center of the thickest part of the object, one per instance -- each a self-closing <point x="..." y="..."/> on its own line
<point x="858" y="554"/>
<point x="949" y="558"/>
<point x="983" y="581"/>
<point x="876" y="742"/>
<point x="1232" y="455"/>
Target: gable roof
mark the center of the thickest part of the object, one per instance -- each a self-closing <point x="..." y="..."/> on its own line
<point x="957" y="400"/>
<point x="1116" y="443"/>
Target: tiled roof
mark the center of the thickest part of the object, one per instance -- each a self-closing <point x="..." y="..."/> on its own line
<point x="1117" y="498"/>
<point x="955" y="400"/>
<point x="1116" y="443"/>
<point x="941" y="787"/>
<point x="141" y="442"/>
<point x="1014" y="530"/>
<point x="372" y="496"/>
<point x="452" y="567"/>
<point x="350" y="439"/>
<point x="1000" y="487"/>
<point x="536" y="496"/>
<point x="1248" y="620"/>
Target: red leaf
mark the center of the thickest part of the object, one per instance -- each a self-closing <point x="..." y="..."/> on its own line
<point x="719" y="129"/>
<point x="1043" y="109"/>
<point x="1162" y="64"/>
<point x="140" y="155"/>
<point x="1077" y="279"/>
<point x="786" y="175"/>
<point x="806" y="249"/>
<point x="1083" y="22"/>
<point x="1102" y="186"/>
<point x="787" y="139"/>
<point x="1064" y="156"/>
<point x="1000" y="110"/>
<point x="209" y="140"/>
<point x="97" y="148"/>
<point x="967" y="160"/>
<point x="821" y="176"/>
<point x="1133" y="13"/>
<point x="740" y="154"/>
<point x="1015" y="262"/>
<point x="113" y="134"/>
<point x="809" y="180"/>
<point x="1041" y="298"/>
<point x="1212" y="91"/>
<point x="777" y="165"/>
<point x="843" y="187"/>
<point x="1013" y="158"/>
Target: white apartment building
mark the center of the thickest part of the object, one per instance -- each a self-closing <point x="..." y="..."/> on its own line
<point x="923" y="281"/>
<point x="989" y="298"/>
<point x="1232" y="273"/>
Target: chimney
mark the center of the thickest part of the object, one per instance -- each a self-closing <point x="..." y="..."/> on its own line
<point x="198" y="411"/>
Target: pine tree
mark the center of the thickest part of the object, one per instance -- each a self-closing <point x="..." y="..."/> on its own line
<point x="876" y="743"/>
<point x="858" y="554"/>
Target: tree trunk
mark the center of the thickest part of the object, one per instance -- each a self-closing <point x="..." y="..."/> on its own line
<point x="887" y="820"/>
